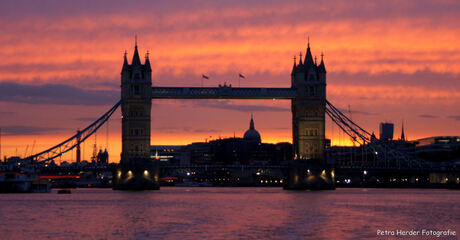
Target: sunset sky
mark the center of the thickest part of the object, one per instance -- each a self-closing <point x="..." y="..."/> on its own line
<point x="388" y="61"/>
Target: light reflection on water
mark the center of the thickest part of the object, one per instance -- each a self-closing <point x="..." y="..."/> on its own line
<point x="226" y="213"/>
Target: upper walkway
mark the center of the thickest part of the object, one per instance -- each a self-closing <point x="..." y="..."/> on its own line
<point x="222" y="92"/>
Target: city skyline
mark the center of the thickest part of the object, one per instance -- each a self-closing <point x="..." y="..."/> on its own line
<point x="60" y="69"/>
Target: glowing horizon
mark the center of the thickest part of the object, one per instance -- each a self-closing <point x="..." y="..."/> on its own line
<point x="386" y="61"/>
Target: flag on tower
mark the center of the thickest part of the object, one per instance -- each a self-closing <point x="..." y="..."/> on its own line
<point x="204" y="76"/>
<point x="241" y="75"/>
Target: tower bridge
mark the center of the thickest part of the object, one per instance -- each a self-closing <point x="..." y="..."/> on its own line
<point x="307" y="94"/>
<point x="309" y="106"/>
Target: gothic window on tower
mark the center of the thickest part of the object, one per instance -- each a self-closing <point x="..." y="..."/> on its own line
<point x="137" y="76"/>
<point x="311" y="132"/>
<point x="136" y="90"/>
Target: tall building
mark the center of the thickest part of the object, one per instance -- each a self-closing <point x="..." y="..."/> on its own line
<point x="137" y="169"/>
<point x="136" y="82"/>
<point x="308" y="109"/>
<point x="386" y="131"/>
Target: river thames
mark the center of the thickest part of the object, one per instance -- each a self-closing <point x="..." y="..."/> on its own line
<point x="230" y="213"/>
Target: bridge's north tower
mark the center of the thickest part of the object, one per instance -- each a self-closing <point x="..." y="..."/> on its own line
<point x="137" y="169"/>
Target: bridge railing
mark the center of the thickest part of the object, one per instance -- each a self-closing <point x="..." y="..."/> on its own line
<point x="223" y="92"/>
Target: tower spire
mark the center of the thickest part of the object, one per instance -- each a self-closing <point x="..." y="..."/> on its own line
<point x="308" y="57"/>
<point x="136" y="59"/>
<point x="125" y="61"/>
<point x="147" y="62"/>
<point x="403" y="138"/>
<point x="294" y="67"/>
<point x="251" y="124"/>
<point x="322" y="67"/>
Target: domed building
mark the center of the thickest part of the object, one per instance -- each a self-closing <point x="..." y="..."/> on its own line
<point x="252" y="134"/>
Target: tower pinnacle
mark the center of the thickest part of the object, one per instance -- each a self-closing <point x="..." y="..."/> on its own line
<point x="308" y="57"/>
<point x="322" y="67"/>
<point x="403" y="138"/>
<point x="294" y="67"/>
<point x="136" y="60"/>
<point x="125" y="61"/>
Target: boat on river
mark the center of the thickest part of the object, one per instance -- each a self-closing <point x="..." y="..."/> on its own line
<point x="19" y="177"/>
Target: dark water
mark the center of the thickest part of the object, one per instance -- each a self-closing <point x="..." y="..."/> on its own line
<point x="227" y="213"/>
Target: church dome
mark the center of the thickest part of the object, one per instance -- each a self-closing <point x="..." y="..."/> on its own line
<point x="252" y="134"/>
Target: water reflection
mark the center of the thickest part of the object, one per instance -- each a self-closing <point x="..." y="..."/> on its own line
<point x="226" y="213"/>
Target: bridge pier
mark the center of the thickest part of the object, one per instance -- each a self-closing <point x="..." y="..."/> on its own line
<point x="308" y="175"/>
<point x="138" y="175"/>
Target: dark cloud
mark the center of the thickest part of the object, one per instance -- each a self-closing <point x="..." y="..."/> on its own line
<point x="418" y="78"/>
<point x="112" y="85"/>
<point x="428" y="116"/>
<point x="56" y="94"/>
<point x="455" y="117"/>
<point x="262" y="12"/>
<point x="6" y="113"/>
<point x="29" y="130"/>
<point x="52" y="66"/>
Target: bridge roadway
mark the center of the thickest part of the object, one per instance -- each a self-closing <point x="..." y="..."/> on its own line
<point x="222" y="92"/>
<point x="113" y="167"/>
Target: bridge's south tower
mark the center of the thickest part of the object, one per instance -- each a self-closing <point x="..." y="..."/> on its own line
<point x="137" y="169"/>
<point x="308" y="108"/>
<point x="308" y="125"/>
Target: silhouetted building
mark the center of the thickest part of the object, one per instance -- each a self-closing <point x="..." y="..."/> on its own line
<point x="103" y="157"/>
<point x="167" y="154"/>
<point x="248" y="150"/>
<point x="386" y="131"/>
<point x="403" y="137"/>
<point x="252" y="134"/>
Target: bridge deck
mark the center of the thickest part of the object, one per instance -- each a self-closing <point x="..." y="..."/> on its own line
<point x="222" y="92"/>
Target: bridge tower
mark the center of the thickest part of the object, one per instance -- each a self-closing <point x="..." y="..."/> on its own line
<point x="137" y="171"/>
<point x="309" y="169"/>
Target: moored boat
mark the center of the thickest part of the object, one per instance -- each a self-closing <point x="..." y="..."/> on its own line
<point x="17" y="177"/>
